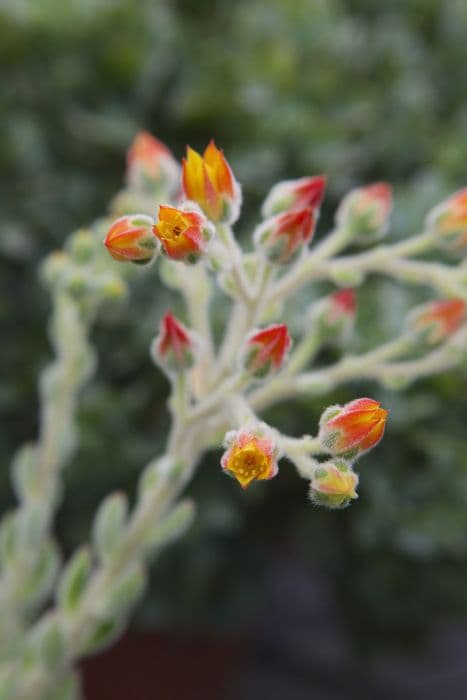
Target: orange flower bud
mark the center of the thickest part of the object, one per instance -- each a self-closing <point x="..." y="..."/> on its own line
<point x="131" y="238"/>
<point x="432" y="323"/>
<point x="449" y="221"/>
<point x="295" y="194"/>
<point x="283" y="236"/>
<point x="251" y="455"/>
<point x="150" y="162"/>
<point x="183" y="235"/>
<point x="175" y="348"/>
<point x="266" y="350"/>
<point x="350" y="430"/>
<point x="208" y="180"/>
<point x="333" y="484"/>
<point x="364" y="212"/>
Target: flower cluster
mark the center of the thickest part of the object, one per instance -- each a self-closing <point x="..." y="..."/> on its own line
<point x="196" y="229"/>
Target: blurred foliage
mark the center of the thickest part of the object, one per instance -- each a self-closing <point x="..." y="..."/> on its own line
<point x="356" y="89"/>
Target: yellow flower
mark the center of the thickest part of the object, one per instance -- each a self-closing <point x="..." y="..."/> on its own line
<point x="250" y="456"/>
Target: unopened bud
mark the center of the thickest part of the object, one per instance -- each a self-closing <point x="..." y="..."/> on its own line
<point x="351" y="430"/>
<point x="334" y="316"/>
<point x="265" y="351"/>
<point x="364" y="213"/>
<point x="282" y="237"/>
<point x="295" y="194"/>
<point x="150" y="165"/>
<point x="82" y="246"/>
<point x="130" y="238"/>
<point x="434" y="322"/>
<point x="333" y="484"/>
<point x="175" y="348"/>
<point x="448" y="221"/>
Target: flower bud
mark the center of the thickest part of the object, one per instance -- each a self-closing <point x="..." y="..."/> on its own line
<point x="175" y="348"/>
<point x="208" y="180"/>
<point x="184" y="235"/>
<point x="333" y="484"/>
<point x="334" y="316"/>
<point x="131" y="238"/>
<point x="266" y="350"/>
<point x="449" y="222"/>
<point x="150" y="164"/>
<point x="251" y="454"/>
<point x="364" y="212"/>
<point x="434" y="322"/>
<point x="283" y="236"/>
<point x="351" y="430"/>
<point x="82" y="246"/>
<point x="295" y="194"/>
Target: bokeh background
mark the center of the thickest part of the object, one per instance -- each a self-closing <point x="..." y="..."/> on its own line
<point x="303" y="603"/>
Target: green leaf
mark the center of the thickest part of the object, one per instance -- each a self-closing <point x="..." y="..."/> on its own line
<point x="109" y="524"/>
<point x="103" y="635"/>
<point x="74" y="579"/>
<point x="24" y="470"/>
<point x="172" y="527"/>
<point x="49" y="642"/>
<point x="123" y="593"/>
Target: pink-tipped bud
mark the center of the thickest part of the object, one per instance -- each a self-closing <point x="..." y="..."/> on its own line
<point x="295" y="194"/>
<point x="349" y="431"/>
<point x="283" y="236"/>
<point x="251" y="454"/>
<point x="365" y="212"/>
<point x="265" y="351"/>
<point x="434" y="322"/>
<point x="448" y="221"/>
<point x="150" y="164"/>
<point x="175" y="348"/>
<point x="334" y="316"/>
<point x="130" y="238"/>
<point x="184" y="235"/>
<point x="333" y="484"/>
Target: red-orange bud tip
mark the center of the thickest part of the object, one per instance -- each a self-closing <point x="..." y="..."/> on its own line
<point x="350" y="430"/>
<point x="266" y="350"/>
<point x="436" y="321"/>
<point x="130" y="238"/>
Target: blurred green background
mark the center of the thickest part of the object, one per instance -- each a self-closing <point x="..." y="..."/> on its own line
<point x="359" y="90"/>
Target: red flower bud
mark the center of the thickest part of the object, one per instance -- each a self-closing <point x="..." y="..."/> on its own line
<point x="184" y="235"/>
<point x="432" y="323"/>
<point x="449" y="221"/>
<point x="335" y="314"/>
<point x="251" y="455"/>
<point x="175" y="347"/>
<point x="295" y="194"/>
<point x="350" y="430"/>
<point x="150" y="162"/>
<point x="131" y="238"/>
<point x="364" y="212"/>
<point x="285" y="235"/>
<point x="266" y="350"/>
<point x="209" y="181"/>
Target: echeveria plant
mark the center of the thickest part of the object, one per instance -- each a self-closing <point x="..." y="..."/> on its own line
<point x="222" y="382"/>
